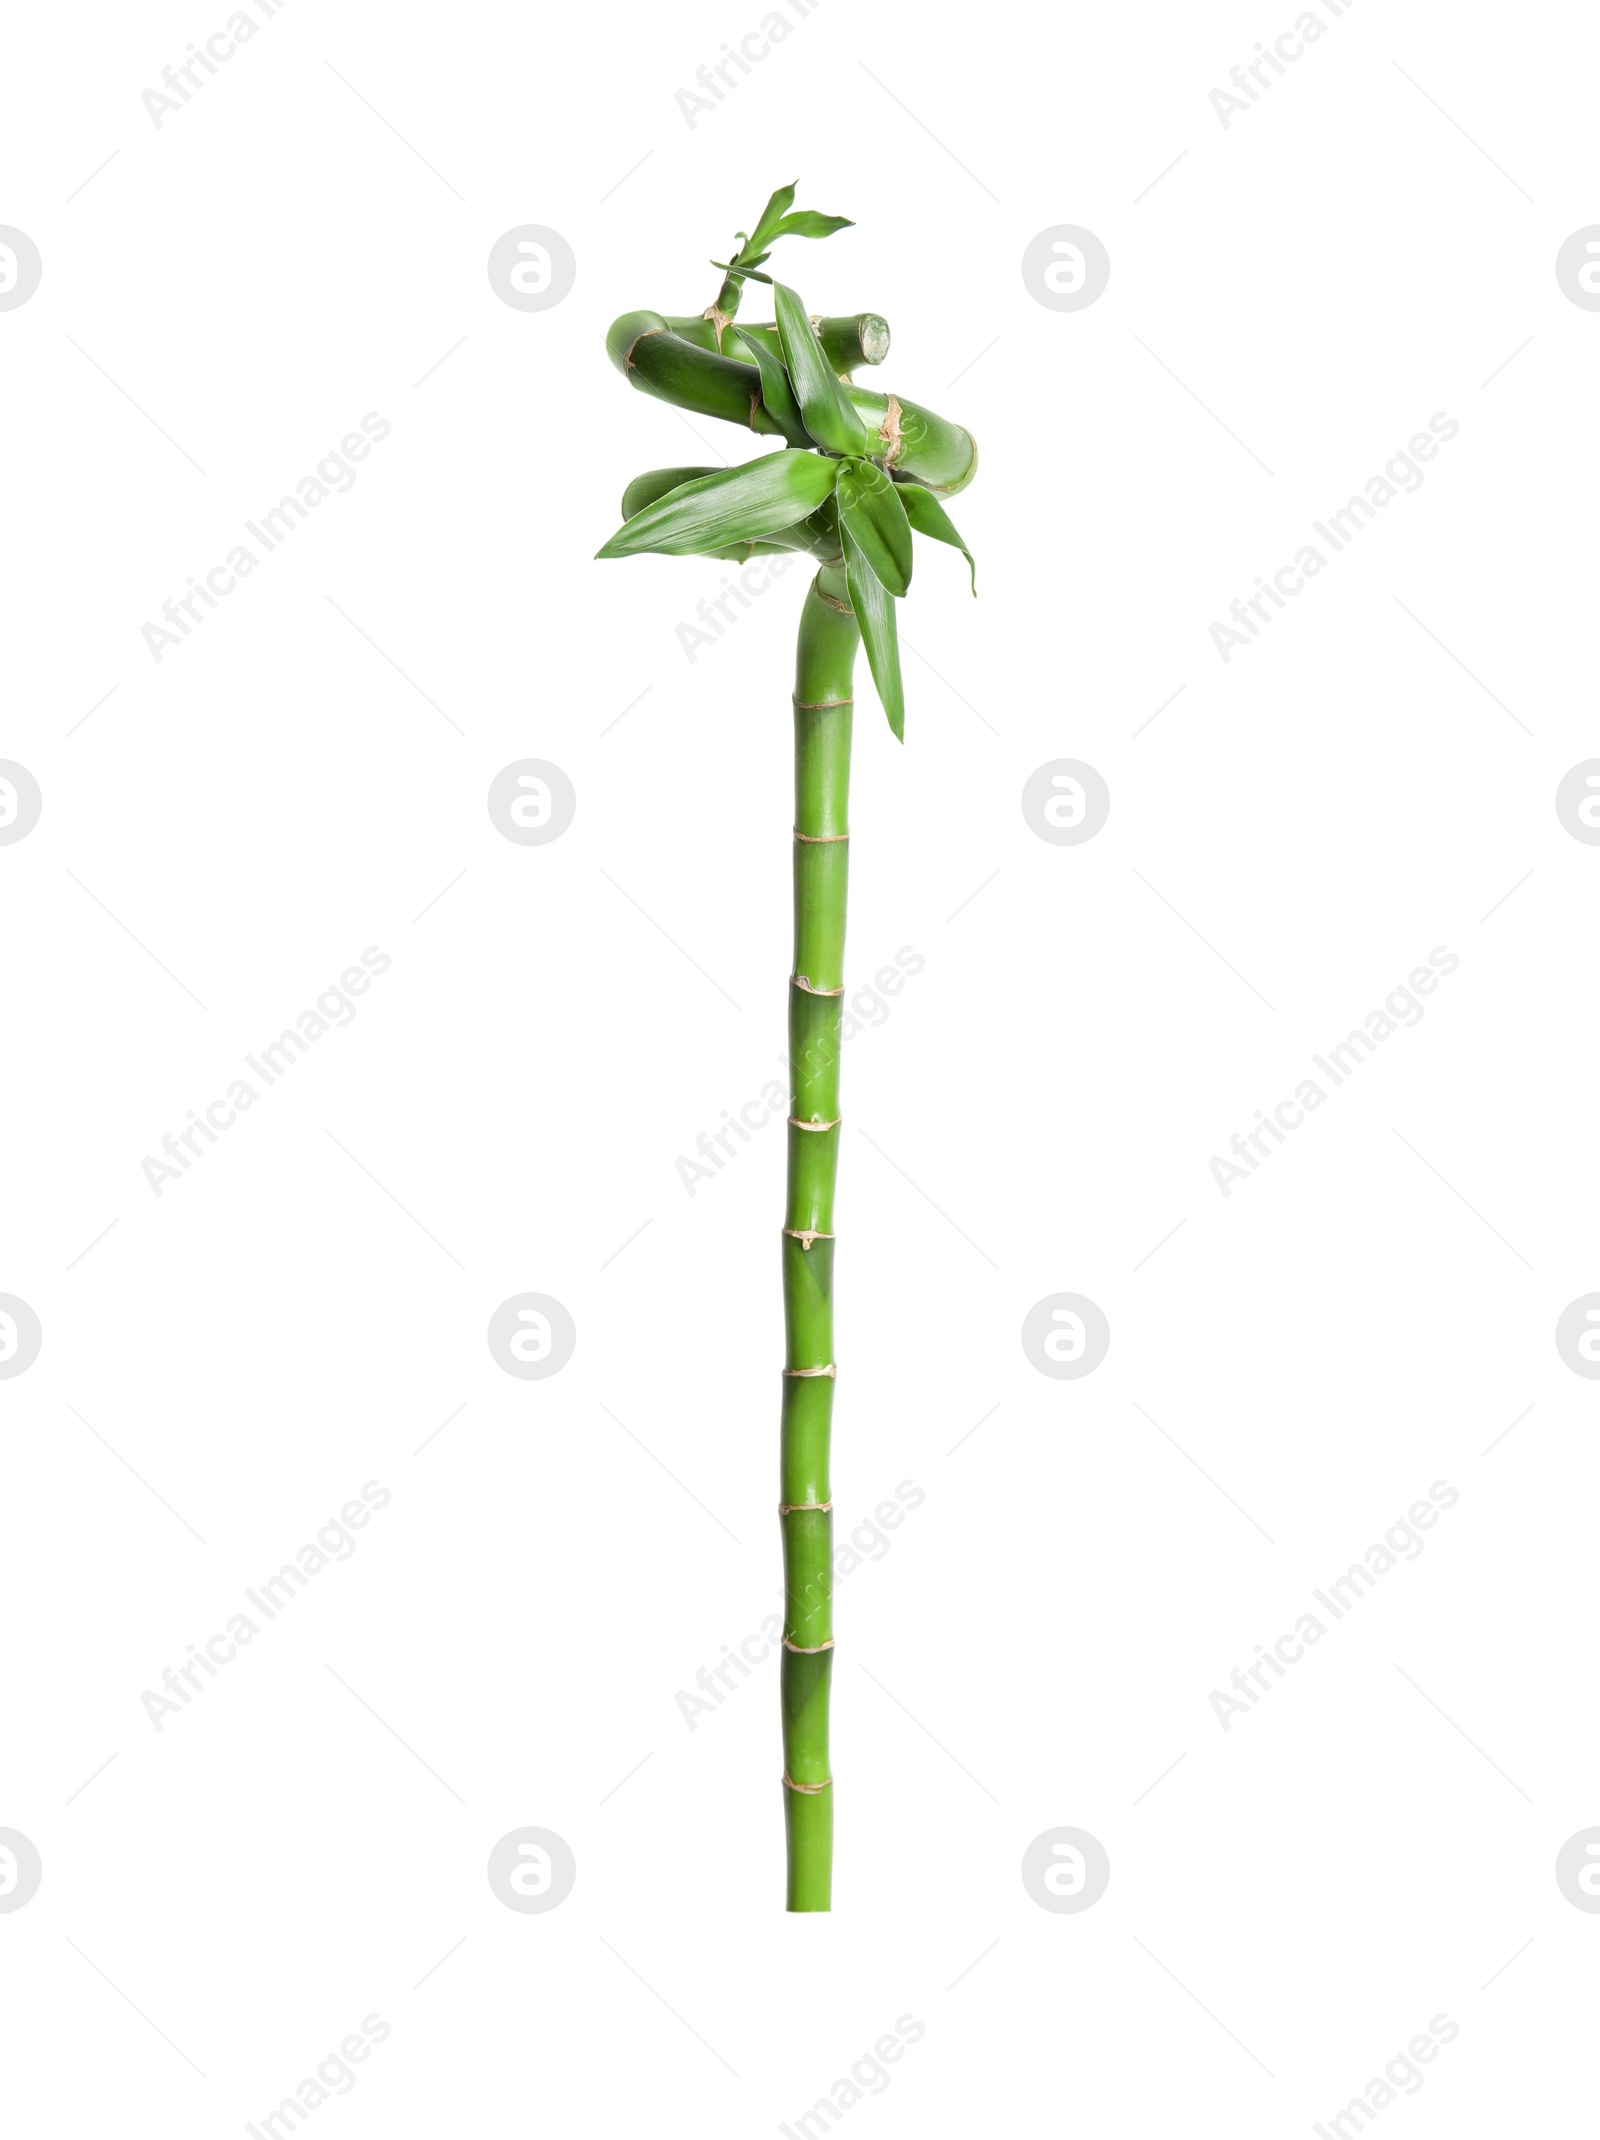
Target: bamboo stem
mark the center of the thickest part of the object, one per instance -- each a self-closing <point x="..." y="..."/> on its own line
<point x="825" y="659"/>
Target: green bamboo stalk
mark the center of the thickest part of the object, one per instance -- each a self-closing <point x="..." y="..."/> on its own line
<point x="823" y="701"/>
<point x="859" y="475"/>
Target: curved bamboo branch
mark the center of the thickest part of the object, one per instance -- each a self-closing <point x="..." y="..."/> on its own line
<point x="653" y="356"/>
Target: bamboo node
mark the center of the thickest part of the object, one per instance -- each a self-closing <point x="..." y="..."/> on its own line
<point x="800" y="980"/>
<point x="719" y="319"/>
<point x="820" y="705"/>
<point x="808" y="1788"/>
<point x="801" y="1650"/>
<point x="806" y="1235"/>
<point x="832" y="600"/>
<point x="627" y="355"/>
<point x="798" y="1374"/>
<point x="799" y="1508"/>
<point x="889" y="432"/>
<point x="796" y="1123"/>
<point x="819" y="839"/>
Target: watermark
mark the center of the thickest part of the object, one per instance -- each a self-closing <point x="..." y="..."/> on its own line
<point x="335" y="2075"/>
<point x="531" y="268"/>
<point x="1400" y="1542"/>
<point x="1577" y="267"/>
<point x="531" y="1335"/>
<point x="333" y="1542"/>
<point x="755" y="46"/>
<point x="755" y="580"/>
<point x="181" y="81"/>
<point x="21" y="1870"/>
<point x="531" y="802"/>
<point x="1065" y="268"/>
<point x="1400" y="1008"/>
<point x="1577" y="1870"/>
<point x="1577" y="802"/>
<point x="1400" y="473"/>
<point x="20" y="268"/>
<point x="333" y="473"/>
<point x="20" y="1336"/>
<point x="868" y="2076"/>
<point x="532" y="1869"/>
<point x="1066" y="1870"/>
<point x="861" y="1011"/>
<point x="865" y="1542"/>
<point x="1578" y="1335"/>
<point x="1065" y="802"/>
<point x="1065" y="1335"/>
<point x="332" y="1008"/>
<point x="1403" y="2075"/>
<point x="20" y="802"/>
<point x="1289" y="46"/>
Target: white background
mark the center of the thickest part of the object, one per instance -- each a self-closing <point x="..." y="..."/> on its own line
<point x="306" y="775"/>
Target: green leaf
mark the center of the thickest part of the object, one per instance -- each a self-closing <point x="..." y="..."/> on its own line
<point x="655" y="483"/>
<point x="929" y="517"/>
<point x="874" y="608"/>
<point x="734" y="505"/>
<point x="741" y="274"/>
<point x="825" y="408"/>
<point x="777" y="395"/>
<point x="806" y="223"/>
<point x="772" y="215"/>
<point x="870" y="508"/>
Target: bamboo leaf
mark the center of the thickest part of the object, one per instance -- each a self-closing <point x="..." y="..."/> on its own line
<point x="777" y="395"/>
<point x="771" y="216"/>
<point x="929" y="517"/>
<point x="806" y="223"/>
<point x="874" y="608"/>
<point x="825" y="408"/>
<point x="734" y="505"/>
<point x="655" y="483"/>
<point x="870" y="508"/>
<point x="818" y="533"/>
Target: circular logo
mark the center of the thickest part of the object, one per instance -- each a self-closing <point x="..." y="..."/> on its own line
<point x="1577" y="801"/>
<point x="1578" y="267"/>
<point x="531" y="268"/>
<point x="1066" y="268"/>
<point x="20" y="802"/>
<point x="1066" y="1336"/>
<point x="532" y="802"/>
<point x="532" y="1869"/>
<point x="531" y="1336"/>
<point x="20" y="268"/>
<point x="20" y="1870"/>
<point x="1066" y="802"/>
<point x="1578" y="1869"/>
<point x="20" y="1336"/>
<point x="1066" y="1869"/>
<point x="1578" y="1335"/>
